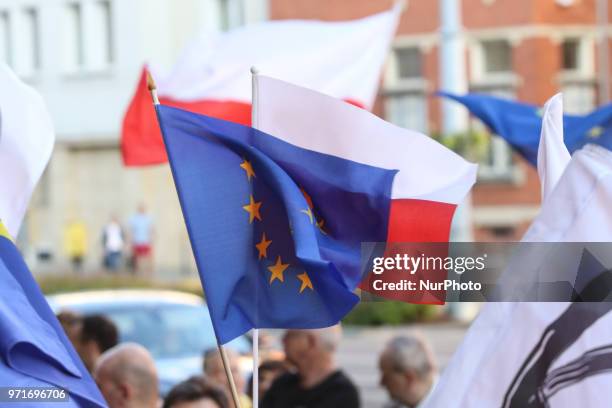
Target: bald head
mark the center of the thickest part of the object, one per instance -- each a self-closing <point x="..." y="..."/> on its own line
<point x="312" y="349"/>
<point x="326" y="339"/>
<point x="127" y="376"/>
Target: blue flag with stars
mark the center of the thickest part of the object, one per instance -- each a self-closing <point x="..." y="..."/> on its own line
<point x="34" y="350"/>
<point x="520" y="123"/>
<point x="276" y="230"/>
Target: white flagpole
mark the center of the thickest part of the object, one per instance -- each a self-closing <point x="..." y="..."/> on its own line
<point x="254" y="124"/>
<point x="228" y="372"/>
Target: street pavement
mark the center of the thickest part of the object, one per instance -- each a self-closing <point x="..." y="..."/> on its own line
<point x="360" y="348"/>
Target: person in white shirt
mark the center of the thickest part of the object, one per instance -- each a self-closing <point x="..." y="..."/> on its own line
<point x="114" y="242"/>
<point x="408" y="370"/>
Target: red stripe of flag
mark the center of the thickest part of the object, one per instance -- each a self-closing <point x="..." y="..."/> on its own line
<point x="141" y="140"/>
<point x="415" y="221"/>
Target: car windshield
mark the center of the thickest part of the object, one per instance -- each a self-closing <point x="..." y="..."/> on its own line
<point x="168" y="331"/>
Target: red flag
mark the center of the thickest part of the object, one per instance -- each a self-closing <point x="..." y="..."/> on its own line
<point x="141" y="141"/>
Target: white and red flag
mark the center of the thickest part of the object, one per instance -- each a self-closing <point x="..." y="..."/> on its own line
<point x="343" y="59"/>
<point x="431" y="180"/>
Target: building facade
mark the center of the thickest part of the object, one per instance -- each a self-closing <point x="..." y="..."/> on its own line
<point x="85" y="56"/>
<point x="519" y="49"/>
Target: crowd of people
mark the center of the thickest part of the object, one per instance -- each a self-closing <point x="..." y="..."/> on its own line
<point x="305" y="374"/>
<point x="128" y="247"/>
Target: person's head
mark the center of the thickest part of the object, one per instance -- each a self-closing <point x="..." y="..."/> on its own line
<point x="310" y="348"/>
<point x="71" y="323"/>
<point x="142" y="208"/>
<point x="127" y="377"/>
<point x="407" y="369"/>
<point x="268" y="372"/>
<point x="196" y="392"/>
<point x="213" y="368"/>
<point x="97" y="334"/>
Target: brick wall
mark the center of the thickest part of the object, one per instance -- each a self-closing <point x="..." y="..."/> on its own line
<point x="536" y="62"/>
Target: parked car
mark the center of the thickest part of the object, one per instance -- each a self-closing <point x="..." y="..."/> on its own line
<point x="174" y="326"/>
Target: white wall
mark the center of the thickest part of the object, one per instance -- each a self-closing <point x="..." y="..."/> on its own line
<point x="88" y="103"/>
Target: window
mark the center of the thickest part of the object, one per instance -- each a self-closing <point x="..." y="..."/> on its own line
<point x="497" y="56"/>
<point x="578" y="97"/>
<point x="88" y="44"/>
<point x="496" y="163"/>
<point x="100" y="35"/>
<point x="29" y="60"/>
<point x="73" y="49"/>
<point x="224" y="14"/>
<point x="405" y="99"/>
<point x="231" y="14"/>
<point x="6" y="51"/>
<point x="570" y="50"/>
<point x="565" y="3"/>
<point x="409" y="64"/>
<point x="408" y="110"/>
<point x="492" y="73"/>
<point x="503" y="232"/>
<point x="577" y="76"/>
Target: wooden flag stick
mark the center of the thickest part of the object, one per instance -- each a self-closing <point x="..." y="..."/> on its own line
<point x="152" y="88"/>
<point x="230" y="378"/>
<point x="228" y="372"/>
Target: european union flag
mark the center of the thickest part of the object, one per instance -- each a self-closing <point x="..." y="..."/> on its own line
<point x="34" y="350"/>
<point x="276" y="230"/>
<point x="520" y="123"/>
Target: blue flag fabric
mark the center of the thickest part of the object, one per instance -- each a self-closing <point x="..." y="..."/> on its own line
<point x="276" y="230"/>
<point x="520" y="123"/>
<point x="34" y="350"/>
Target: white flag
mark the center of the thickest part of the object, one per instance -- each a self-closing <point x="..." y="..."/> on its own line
<point x="339" y="58"/>
<point x="546" y="354"/>
<point x="26" y="143"/>
<point x="553" y="156"/>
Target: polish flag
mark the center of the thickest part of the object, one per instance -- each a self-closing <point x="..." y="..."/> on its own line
<point x="342" y="59"/>
<point x="430" y="183"/>
<point x="432" y="180"/>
